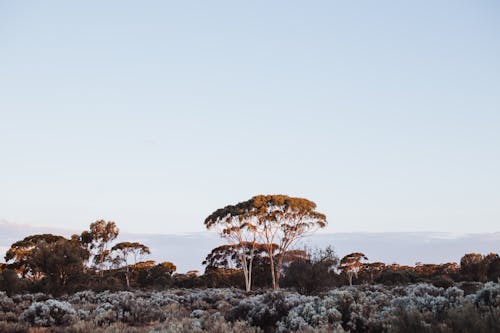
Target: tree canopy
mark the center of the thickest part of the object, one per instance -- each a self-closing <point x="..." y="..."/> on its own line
<point x="19" y="253"/>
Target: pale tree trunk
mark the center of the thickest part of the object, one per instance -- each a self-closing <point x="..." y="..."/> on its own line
<point x="273" y="272"/>
<point x="127" y="279"/>
<point x="273" y="275"/>
<point x="250" y="268"/>
<point x="246" y="272"/>
<point x="278" y="270"/>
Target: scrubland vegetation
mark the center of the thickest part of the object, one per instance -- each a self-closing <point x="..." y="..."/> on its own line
<point x="256" y="282"/>
<point x="467" y="307"/>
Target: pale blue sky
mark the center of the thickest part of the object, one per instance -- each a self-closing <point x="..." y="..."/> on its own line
<point x="154" y="114"/>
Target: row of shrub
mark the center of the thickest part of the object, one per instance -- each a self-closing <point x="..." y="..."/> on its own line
<point x="314" y="274"/>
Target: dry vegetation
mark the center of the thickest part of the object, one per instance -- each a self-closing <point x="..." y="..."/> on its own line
<point x="467" y="307"/>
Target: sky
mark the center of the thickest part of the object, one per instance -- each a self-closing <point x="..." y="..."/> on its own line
<point x="154" y="114"/>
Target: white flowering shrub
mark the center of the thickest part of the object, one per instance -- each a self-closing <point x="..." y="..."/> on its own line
<point x="454" y="295"/>
<point x="87" y="296"/>
<point x="127" y="308"/>
<point x="37" y="297"/>
<point x="423" y="289"/>
<point x="210" y="298"/>
<point x="313" y="314"/>
<point x="49" y="313"/>
<point x="267" y="309"/>
<point x="360" y="307"/>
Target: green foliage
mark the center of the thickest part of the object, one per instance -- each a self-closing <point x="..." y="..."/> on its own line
<point x="312" y="274"/>
<point x="126" y="249"/>
<point x="98" y="239"/>
<point x="61" y="262"/>
<point x="19" y="253"/>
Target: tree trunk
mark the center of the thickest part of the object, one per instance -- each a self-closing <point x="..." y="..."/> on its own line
<point x="273" y="275"/>
<point x="245" y="272"/>
<point x="250" y="268"/>
<point x="127" y="278"/>
<point x="278" y="270"/>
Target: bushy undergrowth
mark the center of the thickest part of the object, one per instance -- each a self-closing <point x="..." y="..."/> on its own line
<point x="368" y="308"/>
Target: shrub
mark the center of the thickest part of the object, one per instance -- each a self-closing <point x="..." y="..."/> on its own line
<point x="489" y="295"/>
<point x="49" y="313"/>
<point x="419" y="307"/>
<point x="267" y="309"/>
<point x="314" y="314"/>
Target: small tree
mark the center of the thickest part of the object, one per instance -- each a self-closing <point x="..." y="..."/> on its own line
<point x="237" y="226"/>
<point x="150" y="274"/>
<point x="228" y="256"/>
<point x="374" y="269"/>
<point x="312" y="272"/>
<point x="352" y="264"/>
<point x="473" y="267"/>
<point x="98" y="239"/>
<point x="126" y="249"/>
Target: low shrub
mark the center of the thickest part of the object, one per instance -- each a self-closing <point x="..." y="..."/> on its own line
<point x="49" y="313"/>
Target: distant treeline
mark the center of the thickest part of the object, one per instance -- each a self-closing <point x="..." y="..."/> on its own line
<point x="260" y="234"/>
<point x="94" y="260"/>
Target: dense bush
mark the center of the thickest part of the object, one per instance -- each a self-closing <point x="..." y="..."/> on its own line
<point x="314" y="273"/>
<point x="49" y="313"/>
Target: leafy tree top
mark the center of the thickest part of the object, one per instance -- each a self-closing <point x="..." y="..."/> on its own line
<point x="22" y="248"/>
<point x="275" y="207"/>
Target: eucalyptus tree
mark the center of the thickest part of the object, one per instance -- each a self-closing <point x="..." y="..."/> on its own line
<point x="19" y="254"/>
<point x="374" y="269"/>
<point x="269" y="220"/>
<point x="283" y="220"/>
<point x="124" y="250"/>
<point x="237" y="226"/>
<point x="61" y="262"/>
<point x="352" y="264"/>
<point x="225" y="256"/>
<point x="98" y="239"/>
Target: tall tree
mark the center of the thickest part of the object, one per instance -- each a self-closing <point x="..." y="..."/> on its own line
<point x="124" y="250"/>
<point x="271" y="219"/>
<point x="283" y="220"/>
<point x="98" y="239"/>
